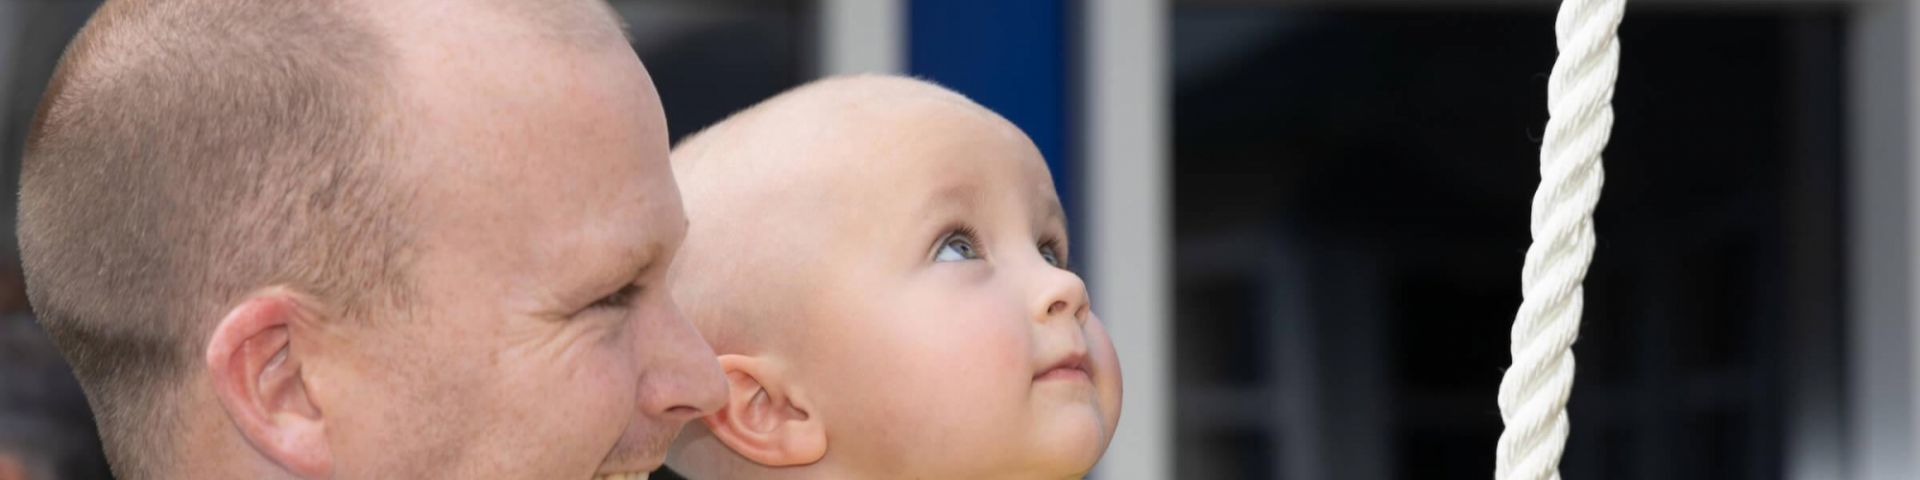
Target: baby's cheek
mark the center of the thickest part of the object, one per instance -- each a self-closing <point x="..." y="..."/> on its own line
<point x="1107" y="381"/>
<point x="966" y="370"/>
<point x="978" y="356"/>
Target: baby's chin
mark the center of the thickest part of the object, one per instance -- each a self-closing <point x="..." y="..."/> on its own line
<point x="1071" y="438"/>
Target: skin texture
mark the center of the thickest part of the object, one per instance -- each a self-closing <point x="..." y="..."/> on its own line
<point x="859" y="342"/>
<point x="544" y="188"/>
<point x="539" y="340"/>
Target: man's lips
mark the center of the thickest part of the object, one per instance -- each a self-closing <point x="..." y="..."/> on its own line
<point x="624" y="476"/>
<point x="1071" y="367"/>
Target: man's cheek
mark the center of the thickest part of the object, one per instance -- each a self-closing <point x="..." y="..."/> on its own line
<point x="585" y="410"/>
<point x="605" y="378"/>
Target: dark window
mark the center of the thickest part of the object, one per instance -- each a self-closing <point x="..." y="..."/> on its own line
<point x="1352" y="190"/>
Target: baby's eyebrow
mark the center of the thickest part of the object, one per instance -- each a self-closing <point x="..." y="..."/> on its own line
<point x="952" y="197"/>
<point x="1053" y="213"/>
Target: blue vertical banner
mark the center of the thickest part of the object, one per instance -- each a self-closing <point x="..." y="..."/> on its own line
<point x="1009" y="55"/>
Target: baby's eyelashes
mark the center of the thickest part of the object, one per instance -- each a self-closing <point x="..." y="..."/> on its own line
<point x="1051" y="254"/>
<point x="962" y="244"/>
<point x="958" y="245"/>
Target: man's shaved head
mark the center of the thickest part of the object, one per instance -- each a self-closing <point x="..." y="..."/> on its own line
<point x="188" y="152"/>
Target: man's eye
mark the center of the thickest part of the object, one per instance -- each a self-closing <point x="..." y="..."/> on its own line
<point x="957" y="246"/>
<point x="1048" y="252"/>
<point x="618" y="299"/>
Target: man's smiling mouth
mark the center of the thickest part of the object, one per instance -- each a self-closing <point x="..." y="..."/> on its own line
<point x="624" y="476"/>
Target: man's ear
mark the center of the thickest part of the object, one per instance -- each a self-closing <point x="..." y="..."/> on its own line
<point x="256" y="372"/>
<point x="765" y="419"/>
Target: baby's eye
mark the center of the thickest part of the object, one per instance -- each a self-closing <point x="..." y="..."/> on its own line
<point x="955" y="247"/>
<point x="1048" y="252"/>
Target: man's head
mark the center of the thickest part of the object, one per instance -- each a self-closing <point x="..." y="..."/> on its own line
<point x="881" y="265"/>
<point x="362" y="238"/>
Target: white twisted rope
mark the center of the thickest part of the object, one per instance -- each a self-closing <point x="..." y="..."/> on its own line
<point x="1533" y="393"/>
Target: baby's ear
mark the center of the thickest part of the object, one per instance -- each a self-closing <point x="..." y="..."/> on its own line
<point x="763" y="419"/>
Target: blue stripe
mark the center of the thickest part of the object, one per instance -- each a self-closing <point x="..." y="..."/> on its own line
<point x="1009" y="55"/>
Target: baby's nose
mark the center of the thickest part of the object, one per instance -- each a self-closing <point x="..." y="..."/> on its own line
<point x="1062" y="295"/>
<point x="1057" y="307"/>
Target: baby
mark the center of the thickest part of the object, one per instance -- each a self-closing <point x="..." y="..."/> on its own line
<point x="881" y="265"/>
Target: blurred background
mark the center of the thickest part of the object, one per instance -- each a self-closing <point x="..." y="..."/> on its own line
<point x="1304" y="220"/>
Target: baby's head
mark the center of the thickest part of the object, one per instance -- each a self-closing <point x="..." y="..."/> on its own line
<point x="881" y="265"/>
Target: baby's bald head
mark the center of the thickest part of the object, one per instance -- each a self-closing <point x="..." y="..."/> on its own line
<point x="771" y="173"/>
<point x="803" y="114"/>
<point x="884" y="259"/>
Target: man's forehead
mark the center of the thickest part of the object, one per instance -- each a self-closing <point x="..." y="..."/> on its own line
<point x="531" y="114"/>
<point x="542" y="256"/>
<point x="562" y="155"/>
<point x="578" y="23"/>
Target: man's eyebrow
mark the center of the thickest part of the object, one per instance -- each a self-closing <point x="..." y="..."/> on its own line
<point x="633" y="263"/>
<point x="643" y="259"/>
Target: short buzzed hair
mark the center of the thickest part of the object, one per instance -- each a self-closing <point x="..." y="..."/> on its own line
<point x="189" y="152"/>
<point x="186" y="153"/>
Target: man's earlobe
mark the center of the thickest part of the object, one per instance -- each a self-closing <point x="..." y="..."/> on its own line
<point x="765" y="418"/>
<point x="255" y="368"/>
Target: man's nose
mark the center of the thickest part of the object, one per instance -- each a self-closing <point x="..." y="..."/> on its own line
<point x="680" y="379"/>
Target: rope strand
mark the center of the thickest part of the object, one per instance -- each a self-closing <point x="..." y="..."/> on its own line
<point x="1534" y="391"/>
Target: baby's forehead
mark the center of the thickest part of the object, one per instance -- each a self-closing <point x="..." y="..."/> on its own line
<point x="907" y="139"/>
<point x="861" y="150"/>
<point x="936" y="160"/>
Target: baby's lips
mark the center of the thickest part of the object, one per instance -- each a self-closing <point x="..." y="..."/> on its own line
<point x="1071" y="365"/>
